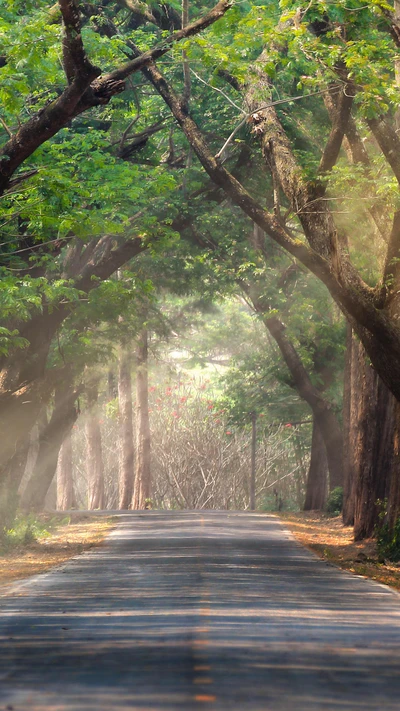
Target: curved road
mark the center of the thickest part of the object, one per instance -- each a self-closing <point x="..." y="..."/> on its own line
<point x="199" y="610"/>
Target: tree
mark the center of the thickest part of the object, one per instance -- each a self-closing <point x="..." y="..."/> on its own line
<point x="324" y="248"/>
<point x="127" y="454"/>
<point x="142" y="487"/>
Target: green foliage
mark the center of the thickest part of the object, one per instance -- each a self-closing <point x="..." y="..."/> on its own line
<point x="334" y="503"/>
<point x="387" y="537"/>
<point x="26" y="530"/>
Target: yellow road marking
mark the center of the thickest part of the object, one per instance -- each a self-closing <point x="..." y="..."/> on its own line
<point x="202" y="667"/>
<point x="205" y="697"/>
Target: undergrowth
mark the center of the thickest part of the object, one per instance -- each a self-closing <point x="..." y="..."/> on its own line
<point x="29" y="529"/>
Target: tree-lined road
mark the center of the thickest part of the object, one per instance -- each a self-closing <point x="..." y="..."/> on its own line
<point x="196" y="610"/>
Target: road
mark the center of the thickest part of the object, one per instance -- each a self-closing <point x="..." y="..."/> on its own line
<point x="199" y="610"/>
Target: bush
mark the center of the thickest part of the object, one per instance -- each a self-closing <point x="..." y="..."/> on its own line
<point x="334" y="503"/>
<point x="25" y="530"/>
<point x="387" y="539"/>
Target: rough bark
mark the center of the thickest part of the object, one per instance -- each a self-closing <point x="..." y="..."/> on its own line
<point x="317" y="479"/>
<point x="62" y="419"/>
<point x="373" y="413"/>
<point x="95" y="468"/>
<point x="66" y="499"/>
<point x="126" y="446"/>
<point x="142" y="488"/>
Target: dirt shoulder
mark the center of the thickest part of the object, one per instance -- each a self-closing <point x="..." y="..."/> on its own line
<point x="66" y="538"/>
<point x="333" y="542"/>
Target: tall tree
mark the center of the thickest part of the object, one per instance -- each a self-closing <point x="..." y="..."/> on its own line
<point x="94" y="457"/>
<point x="126" y="445"/>
<point x="65" y="485"/>
<point x="142" y="488"/>
<point x="51" y="438"/>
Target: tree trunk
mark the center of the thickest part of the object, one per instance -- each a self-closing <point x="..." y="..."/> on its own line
<point x="126" y="448"/>
<point x="142" y="489"/>
<point x="62" y="419"/>
<point x="321" y="408"/>
<point x="350" y="414"/>
<point x="375" y="427"/>
<point x="253" y="462"/>
<point x="95" y="469"/>
<point x="9" y="488"/>
<point x="317" y="480"/>
<point x="25" y="385"/>
<point x="65" y="484"/>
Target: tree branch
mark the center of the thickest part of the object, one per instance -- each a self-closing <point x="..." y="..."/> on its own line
<point x="77" y="66"/>
<point x="84" y="91"/>
<point x="388" y="141"/>
<point x="339" y="127"/>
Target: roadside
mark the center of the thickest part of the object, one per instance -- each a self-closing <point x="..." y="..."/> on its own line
<point x="333" y="542"/>
<point x="57" y="539"/>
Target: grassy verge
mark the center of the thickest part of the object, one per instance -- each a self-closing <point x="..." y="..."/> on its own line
<point x="36" y="544"/>
<point x="332" y="541"/>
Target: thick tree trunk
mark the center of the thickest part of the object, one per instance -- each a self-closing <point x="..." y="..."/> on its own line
<point x="65" y="484"/>
<point x="321" y="408"/>
<point x="126" y="448"/>
<point x="317" y="480"/>
<point x="374" y="419"/>
<point x="142" y="489"/>
<point x="62" y="419"/>
<point x="95" y="468"/>
<point x="9" y="488"/>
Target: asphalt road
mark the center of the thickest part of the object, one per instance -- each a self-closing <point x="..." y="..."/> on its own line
<point x="199" y="610"/>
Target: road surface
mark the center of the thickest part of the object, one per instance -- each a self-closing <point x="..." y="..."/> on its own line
<point x="199" y="610"/>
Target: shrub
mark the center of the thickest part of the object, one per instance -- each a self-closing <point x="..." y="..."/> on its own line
<point x="334" y="503"/>
<point x="387" y="539"/>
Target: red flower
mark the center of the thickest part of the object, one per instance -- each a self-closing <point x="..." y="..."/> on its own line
<point x="228" y="432"/>
<point x="288" y="425"/>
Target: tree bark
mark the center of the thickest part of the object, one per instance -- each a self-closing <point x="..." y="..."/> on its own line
<point x="142" y="488"/>
<point x="317" y="479"/>
<point x="95" y="468"/>
<point x="126" y="448"/>
<point x="65" y="484"/>
<point x="62" y="419"/>
<point x="374" y="419"/>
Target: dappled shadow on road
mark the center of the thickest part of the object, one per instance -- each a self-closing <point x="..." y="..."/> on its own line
<point x="200" y="610"/>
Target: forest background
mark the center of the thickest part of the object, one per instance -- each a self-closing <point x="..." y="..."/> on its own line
<point x="204" y="199"/>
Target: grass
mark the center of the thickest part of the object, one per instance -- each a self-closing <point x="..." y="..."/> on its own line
<point x="36" y="544"/>
<point x="334" y="542"/>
